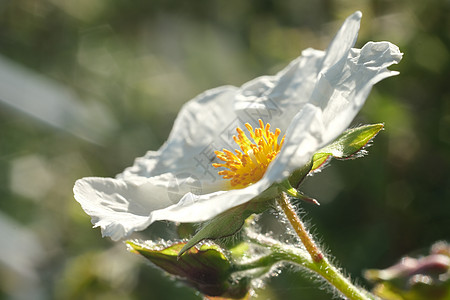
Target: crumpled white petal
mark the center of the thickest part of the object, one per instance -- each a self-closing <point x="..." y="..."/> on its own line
<point x="312" y="100"/>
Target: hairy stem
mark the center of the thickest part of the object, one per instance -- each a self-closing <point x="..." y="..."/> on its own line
<point x="331" y="274"/>
<point x="282" y="252"/>
<point x="318" y="262"/>
<point x="299" y="228"/>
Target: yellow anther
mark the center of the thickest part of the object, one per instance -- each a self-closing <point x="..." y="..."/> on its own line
<point x="248" y="165"/>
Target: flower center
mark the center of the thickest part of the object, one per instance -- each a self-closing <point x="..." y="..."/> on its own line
<point x="248" y="165"/>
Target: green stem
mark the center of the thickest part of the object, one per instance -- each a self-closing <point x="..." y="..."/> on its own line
<point x="317" y="262"/>
<point x="283" y="252"/>
<point x="340" y="282"/>
<point x="299" y="228"/>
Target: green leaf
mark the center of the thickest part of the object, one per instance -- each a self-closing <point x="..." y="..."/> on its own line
<point x="348" y="144"/>
<point x="205" y="268"/>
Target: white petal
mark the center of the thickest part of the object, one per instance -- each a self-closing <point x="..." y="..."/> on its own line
<point x="343" y="41"/>
<point x="119" y="207"/>
<point x="338" y="96"/>
<point x="277" y="99"/>
<point x="342" y="90"/>
<point x="303" y="138"/>
<point x="200" y="124"/>
<point x="199" y="208"/>
<point x="142" y="167"/>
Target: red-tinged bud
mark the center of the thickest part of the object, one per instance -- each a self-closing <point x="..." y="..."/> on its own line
<point x="205" y="268"/>
<point x="414" y="279"/>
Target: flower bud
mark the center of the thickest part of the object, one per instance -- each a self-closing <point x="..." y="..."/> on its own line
<point x="422" y="278"/>
<point x="205" y="268"/>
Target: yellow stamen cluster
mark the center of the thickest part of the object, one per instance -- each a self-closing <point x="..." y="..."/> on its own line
<point x="248" y="165"/>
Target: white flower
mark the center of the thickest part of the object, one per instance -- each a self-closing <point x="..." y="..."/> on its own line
<point x="312" y="101"/>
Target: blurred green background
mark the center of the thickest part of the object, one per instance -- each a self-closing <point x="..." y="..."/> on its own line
<point x="86" y="86"/>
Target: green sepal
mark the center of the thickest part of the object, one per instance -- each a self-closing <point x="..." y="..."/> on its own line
<point x="347" y="145"/>
<point x="205" y="267"/>
<point x="299" y="175"/>
<point x="287" y="188"/>
<point x="228" y="222"/>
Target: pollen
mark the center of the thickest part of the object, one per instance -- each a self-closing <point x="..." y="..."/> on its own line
<point x="248" y="165"/>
